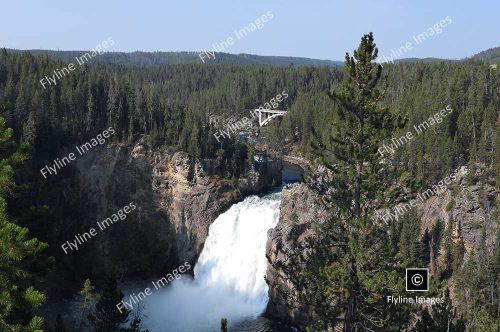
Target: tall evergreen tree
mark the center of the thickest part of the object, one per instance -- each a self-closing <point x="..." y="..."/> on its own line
<point x="349" y="265"/>
<point x="86" y="295"/>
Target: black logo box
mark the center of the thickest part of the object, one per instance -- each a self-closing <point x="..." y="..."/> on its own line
<point x="417" y="279"/>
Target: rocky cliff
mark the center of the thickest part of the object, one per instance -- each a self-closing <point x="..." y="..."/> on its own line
<point x="177" y="198"/>
<point x="467" y="207"/>
<point x="301" y="209"/>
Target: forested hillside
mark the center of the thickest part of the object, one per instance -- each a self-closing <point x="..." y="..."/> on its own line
<point x="171" y="104"/>
<point x="403" y="140"/>
<point x="147" y="59"/>
<point x="490" y="56"/>
<point x="418" y="91"/>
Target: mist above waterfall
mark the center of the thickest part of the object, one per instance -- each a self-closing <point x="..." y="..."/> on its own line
<point x="229" y="275"/>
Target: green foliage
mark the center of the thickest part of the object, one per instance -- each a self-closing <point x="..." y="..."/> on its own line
<point x="443" y="318"/>
<point x="450" y="205"/>
<point x="85" y="296"/>
<point x="412" y="250"/>
<point x="107" y="317"/>
<point x="20" y="255"/>
<point x="172" y="105"/>
<point x="169" y="105"/>
<point x="223" y="325"/>
<point x="346" y="271"/>
<point x="150" y="59"/>
<point x="491" y="55"/>
<point x="478" y="288"/>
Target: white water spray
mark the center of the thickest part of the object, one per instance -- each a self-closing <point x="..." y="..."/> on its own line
<point x="229" y="275"/>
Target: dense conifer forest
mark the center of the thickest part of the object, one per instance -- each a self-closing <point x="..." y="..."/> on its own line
<point x="172" y="104"/>
<point x="146" y="59"/>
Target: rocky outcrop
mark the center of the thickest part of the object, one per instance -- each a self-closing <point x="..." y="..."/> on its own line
<point x="192" y="198"/>
<point x="176" y="197"/>
<point x="469" y="209"/>
<point x="301" y="209"/>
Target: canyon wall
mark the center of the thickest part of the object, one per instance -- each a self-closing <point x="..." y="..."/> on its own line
<point x="177" y="198"/>
<point x="301" y="210"/>
<point x="468" y="209"/>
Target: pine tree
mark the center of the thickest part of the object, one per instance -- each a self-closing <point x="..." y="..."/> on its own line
<point x="106" y="317"/>
<point x="18" y="252"/>
<point x="349" y="267"/>
<point x="411" y="248"/>
<point x="426" y="241"/>
<point x="223" y="325"/>
<point x="86" y="295"/>
<point x="443" y="318"/>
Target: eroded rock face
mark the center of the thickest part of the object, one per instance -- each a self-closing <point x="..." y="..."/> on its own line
<point x="300" y="210"/>
<point x="467" y="209"/>
<point x="176" y="201"/>
<point x="190" y="198"/>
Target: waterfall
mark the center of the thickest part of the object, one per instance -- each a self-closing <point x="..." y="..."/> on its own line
<point x="228" y="277"/>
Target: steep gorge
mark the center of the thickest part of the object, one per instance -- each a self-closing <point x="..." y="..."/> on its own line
<point x="177" y="198"/>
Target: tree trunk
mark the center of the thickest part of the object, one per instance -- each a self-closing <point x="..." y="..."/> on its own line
<point x="357" y="191"/>
<point x="350" y="315"/>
